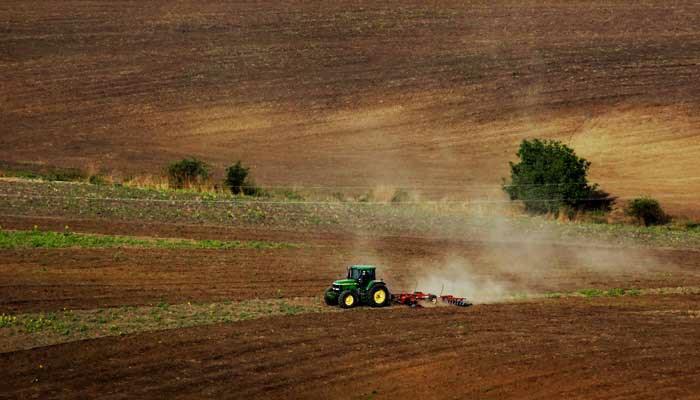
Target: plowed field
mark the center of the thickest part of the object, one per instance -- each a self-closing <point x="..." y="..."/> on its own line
<point x="433" y="97"/>
<point x="54" y="279"/>
<point x="346" y="97"/>
<point x="640" y="348"/>
<point x="571" y="347"/>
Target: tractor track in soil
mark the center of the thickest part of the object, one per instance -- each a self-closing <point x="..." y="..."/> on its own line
<point x="640" y="347"/>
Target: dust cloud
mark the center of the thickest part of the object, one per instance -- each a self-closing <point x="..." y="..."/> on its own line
<point x="460" y="278"/>
<point x="509" y="262"/>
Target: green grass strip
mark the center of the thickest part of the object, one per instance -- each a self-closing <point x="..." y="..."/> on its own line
<point x="55" y="240"/>
<point x="614" y="292"/>
<point x="24" y="331"/>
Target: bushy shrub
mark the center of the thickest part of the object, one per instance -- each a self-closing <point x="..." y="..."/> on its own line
<point x="239" y="181"/>
<point x="550" y="175"/>
<point x="236" y="177"/>
<point x="647" y="210"/>
<point x="188" y="172"/>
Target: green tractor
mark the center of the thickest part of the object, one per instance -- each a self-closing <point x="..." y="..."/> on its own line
<point x="360" y="287"/>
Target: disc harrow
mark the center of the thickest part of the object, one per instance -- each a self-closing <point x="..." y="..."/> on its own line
<point x="418" y="299"/>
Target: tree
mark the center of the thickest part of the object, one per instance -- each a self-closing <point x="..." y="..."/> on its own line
<point x="550" y="175"/>
<point x="187" y="172"/>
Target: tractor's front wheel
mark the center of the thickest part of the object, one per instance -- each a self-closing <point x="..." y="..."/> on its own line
<point x="379" y="296"/>
<point x="348" y="299"/>
<point x="329" y="299"/>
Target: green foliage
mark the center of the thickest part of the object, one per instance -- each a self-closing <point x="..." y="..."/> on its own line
<point x="43" y="172"/>
<point x="255" y="215"/>
<point x="57" y="327"/>
<point x="188" y="172"/>
<point x="7" y="321"/>
<point x="614" y="292"/>
<point x="692" y="225"/>
<point x="251" y="189"/>
<point x="549" y="176"/>
<point x="647" y="210"/>
<point x="239" y="181"/>
<point x="236" y="176"/>
<point x="591" y="292"/>
<point x="65" y="175"/>
<point x="39" y="323"/>
<point x="289" y="309"/>
<point x="52" y="240"/>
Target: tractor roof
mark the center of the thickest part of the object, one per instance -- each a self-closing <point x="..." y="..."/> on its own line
<point x="363" y="267"/>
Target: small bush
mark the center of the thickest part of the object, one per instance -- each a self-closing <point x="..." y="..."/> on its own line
<point x="188" y="172"/>
<point x="236" y="176"/>
<point x="239" y="181"/>
<point x="647" y="211"/>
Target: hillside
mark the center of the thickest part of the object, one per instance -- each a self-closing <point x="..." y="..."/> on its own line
<point x="434" y="97"/>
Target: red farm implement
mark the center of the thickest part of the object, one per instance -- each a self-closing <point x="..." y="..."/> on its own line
<point x="418" y="299"/>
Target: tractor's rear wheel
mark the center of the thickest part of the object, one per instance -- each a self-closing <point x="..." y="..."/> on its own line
<point x="330" y="300"/>
<point x="348" y="299"/>
<point x="379" y="296"/>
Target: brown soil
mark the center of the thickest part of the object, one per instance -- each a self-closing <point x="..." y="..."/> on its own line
<point x="428" y="96"/>
<point x="54" y="279"/>
<point x="644" y="347"/>
<point x="434" y="97"/>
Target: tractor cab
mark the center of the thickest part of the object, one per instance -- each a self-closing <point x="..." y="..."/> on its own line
<point x="363" y="274"/>
<point x="361" y="286"/>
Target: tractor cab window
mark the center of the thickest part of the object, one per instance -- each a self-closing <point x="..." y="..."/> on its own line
<point x="354" y="273"/>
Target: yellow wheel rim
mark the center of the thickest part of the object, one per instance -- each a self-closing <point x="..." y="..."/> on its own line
<point x="349" y="300"/>
<point x="379" y="296"/>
